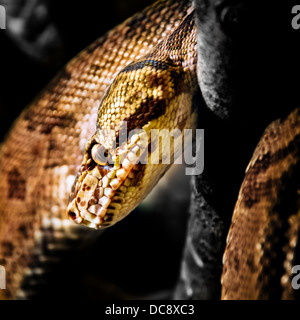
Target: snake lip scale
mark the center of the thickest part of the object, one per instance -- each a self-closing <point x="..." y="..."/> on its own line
<point x="95" y="185"/>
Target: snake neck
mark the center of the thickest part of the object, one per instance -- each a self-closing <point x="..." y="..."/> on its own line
<point x="155" y="92"/>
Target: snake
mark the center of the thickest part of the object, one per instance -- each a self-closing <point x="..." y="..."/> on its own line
<point x="148" y="73"/>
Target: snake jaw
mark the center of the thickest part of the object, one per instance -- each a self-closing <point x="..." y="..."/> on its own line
<point x="99" y="192"/>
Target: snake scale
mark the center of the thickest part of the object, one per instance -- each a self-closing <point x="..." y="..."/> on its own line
<point x="144" y="72"/>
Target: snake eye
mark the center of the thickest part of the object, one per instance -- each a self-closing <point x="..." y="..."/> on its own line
<point x="100" y="155"/>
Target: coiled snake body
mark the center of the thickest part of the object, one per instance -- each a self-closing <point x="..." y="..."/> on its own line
<point x="151" y="84"/>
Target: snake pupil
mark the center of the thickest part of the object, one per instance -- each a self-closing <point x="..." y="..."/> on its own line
<point x="100" y="155"/>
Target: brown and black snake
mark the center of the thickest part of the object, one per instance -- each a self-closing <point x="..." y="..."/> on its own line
<point x="147" y="72"/>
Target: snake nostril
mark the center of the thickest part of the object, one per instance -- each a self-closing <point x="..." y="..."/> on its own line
<point x="72" y="215"/>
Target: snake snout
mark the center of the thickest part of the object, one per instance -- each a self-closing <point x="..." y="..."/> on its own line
<point x="103" y="195"/>
<point x="72" y="215"/>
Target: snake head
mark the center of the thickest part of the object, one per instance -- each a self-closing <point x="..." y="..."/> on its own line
<point x="106" y="182"/>
<point x="153" y="92"/>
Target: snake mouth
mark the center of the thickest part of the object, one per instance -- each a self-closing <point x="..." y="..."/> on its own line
<point x="102" y="194"/>
<point x="91" y="195"/>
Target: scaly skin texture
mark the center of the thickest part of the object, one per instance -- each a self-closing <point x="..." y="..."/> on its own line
<point x="247" y="81"/>
<point x="40" y="156"/>
<point x="43" y="150"/>
<point x="154" y="92"/>
<point x="264" y="232"/>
